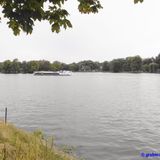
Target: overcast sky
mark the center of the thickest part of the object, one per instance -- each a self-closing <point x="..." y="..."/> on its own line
<point x="120" y="29"/>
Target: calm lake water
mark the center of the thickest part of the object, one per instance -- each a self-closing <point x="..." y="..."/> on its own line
<point x="104" y="116"/>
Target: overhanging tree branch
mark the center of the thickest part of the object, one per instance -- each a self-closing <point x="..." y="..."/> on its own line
<point x="22" y="14"/>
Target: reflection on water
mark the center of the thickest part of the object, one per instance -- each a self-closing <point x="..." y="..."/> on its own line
<point x="104" y="116"/>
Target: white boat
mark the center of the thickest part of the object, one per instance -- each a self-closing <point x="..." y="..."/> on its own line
<point x="65" y="73"/>
<point x="51" y="73"/>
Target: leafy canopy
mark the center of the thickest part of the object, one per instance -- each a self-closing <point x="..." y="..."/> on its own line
<point x="22" y="14"/>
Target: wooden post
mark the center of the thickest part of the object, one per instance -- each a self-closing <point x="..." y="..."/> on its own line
<point x="5" y="120"/>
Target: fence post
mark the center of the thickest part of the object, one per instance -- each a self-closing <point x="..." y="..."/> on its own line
<point x="5" y="120"/>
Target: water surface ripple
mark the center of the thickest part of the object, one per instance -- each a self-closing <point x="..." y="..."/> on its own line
<point x="104" y="116"/>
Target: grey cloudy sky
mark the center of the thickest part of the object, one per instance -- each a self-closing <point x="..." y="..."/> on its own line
<point x="121" y="29"/>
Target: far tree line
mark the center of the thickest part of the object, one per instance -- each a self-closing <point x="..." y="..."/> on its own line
<point x="134" y="64"/>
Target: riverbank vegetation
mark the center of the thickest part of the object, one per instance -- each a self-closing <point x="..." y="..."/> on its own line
<point x="129" y="64"/>
<point x="16" y="144"/>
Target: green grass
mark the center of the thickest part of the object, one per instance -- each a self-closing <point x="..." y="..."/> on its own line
<point x="16" y="144"/>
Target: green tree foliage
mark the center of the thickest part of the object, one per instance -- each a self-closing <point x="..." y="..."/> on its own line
<point x="145" y="67"/>
<point x="129" y="64"/>
<point x="22" y="14"/>
<point x="116" y="65"/>
<point x="136" y="1"/>
<point x="153" y="67"/>
<point x="1" y="66"/>
<point x="148" y="61"/>
<point x="157" y="59"/>
<point x="44" y="65"/>
<point x="56" y="66"/>
<point x="145" y="64"/>
<point x="74" y="67"/>
<point x="98" y="66"/>
<point x="24" y="67"/>
<point x="15" y="66"/>
<point x="7" y="66"/>
<point x="64" y="66"/>
<point x="32" y="66"/>
<point x="87" y="66"/>
<point x="136" y="64"/>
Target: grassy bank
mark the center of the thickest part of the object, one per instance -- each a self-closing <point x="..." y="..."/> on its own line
<point x="16" y="144"/>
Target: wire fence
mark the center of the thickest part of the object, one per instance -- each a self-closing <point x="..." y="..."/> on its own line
<point x="3" y="115"/>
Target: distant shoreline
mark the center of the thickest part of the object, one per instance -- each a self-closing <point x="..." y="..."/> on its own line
<point x="134" y="64"/>
<point x="90" y="72"/>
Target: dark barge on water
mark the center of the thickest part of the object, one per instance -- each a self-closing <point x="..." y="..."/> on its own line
<point x="51" y="73"/>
